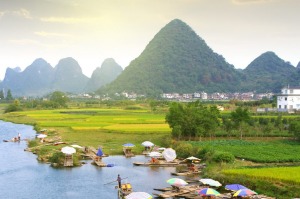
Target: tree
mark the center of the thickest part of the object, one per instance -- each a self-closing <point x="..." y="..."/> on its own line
<point x="193" y="119"/>
<point x="1" y="95"/>
<point x="294" y="128"/>
<point x="59" y="98"/>
<point x="9" y="95"/>
<point x="240" y="118"/>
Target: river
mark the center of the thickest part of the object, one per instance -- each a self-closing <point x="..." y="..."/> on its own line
<point x="22" y="176"/>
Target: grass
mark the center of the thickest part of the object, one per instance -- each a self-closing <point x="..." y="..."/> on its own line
<point x="274" y="151"/>
<point x="109" y="128"/>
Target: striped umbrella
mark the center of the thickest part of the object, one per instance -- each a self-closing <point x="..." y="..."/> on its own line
<point x="244" y="192"/>
<point x="177" y="182"/>
<point x="208" y="192"/>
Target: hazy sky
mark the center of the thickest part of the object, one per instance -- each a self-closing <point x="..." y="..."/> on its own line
<point x="93" y="30"/>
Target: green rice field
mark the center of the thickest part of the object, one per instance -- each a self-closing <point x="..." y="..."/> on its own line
<point x="262" y="151"/>
<point x="109" y="127"/>
<point x="288" y="174"/>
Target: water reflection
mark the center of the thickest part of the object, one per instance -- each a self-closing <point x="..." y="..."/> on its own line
<point x="21" y="176"/>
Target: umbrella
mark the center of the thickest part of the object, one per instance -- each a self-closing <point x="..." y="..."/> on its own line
<point x="208" y="192"/>
<point x="99" y="152"/>
<point x="41" y="136"/>
<point x="147" y="144"/>
<point x="244" y="192"/>
<point x="177" y="182"/>
<point x="235" y="187"/>
<point x="161" y="148"/>
<point x="138" y="195"/>
<point x="68" y="150"/>
<point x="155" y="154"/>
<point x="76" y="146"/>
<point x="210" y="182"/>
<point x="192" y="158"/>
<point x="128" y="145"/>
<point x="169" y="154"/>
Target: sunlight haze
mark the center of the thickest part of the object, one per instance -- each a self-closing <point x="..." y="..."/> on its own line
<point x="92" y="30"/>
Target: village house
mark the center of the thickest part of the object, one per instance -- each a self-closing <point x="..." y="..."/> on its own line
<point x="289" y="99"/>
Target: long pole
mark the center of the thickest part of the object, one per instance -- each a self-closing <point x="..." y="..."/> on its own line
<point x="114" y="181"/>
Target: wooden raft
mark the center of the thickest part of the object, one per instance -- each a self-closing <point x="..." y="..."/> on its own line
<point x="182" y="191"/>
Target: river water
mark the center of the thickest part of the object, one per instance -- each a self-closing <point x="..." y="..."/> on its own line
<point x="22" y="176"/>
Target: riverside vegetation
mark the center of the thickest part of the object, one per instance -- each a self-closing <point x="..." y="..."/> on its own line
<point x="266" y="141"/>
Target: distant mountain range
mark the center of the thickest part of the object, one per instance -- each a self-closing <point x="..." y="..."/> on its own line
<point x="175" y="60"/>
<point x="41" y="78"/>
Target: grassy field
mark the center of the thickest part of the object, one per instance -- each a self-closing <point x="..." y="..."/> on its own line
<point x="262" y="151"/>
<point x="280" y="182"/>
<point x="109" y="128"/>
<point x="287" y="174"/>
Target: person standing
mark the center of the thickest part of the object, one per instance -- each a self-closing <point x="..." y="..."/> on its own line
<point x="19" y="137"/>
<point x="119" y="180"/>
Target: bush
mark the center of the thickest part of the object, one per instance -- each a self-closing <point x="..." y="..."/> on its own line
<point x="206" y="153"/>
<point x="223" y="157"/>
<point x="57" y="157"/>
<point x="185" y="150"/>
<point x="32" y="143"/>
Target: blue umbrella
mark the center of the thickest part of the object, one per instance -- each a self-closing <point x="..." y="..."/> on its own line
<point x="99" y="152"/>
<point x="128" y="145"/>
<point x="235" y="187"/>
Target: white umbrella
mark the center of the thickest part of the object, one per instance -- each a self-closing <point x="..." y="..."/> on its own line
<point x="41" y="136"/>
<point x="210" y="182"/>
<point x="138" y="195"/>
<point x="147" y="144"/>
<point x="76" y="146"/>
<point x="68" y="150"/>
<point x="155" y="154"/>
<point x="169" y="154"/>
<point x="193" y="158"/>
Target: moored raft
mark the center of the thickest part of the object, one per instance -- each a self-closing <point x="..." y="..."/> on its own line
<point x="158" y="164"/>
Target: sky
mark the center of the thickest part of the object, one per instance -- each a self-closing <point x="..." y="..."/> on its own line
<point x="92" y="30"/>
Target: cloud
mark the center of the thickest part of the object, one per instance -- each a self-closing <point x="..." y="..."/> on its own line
<point x="22" y="13"/>
<point x="69" y="20"/>
<point x="19" y="13"/>
<point x="30" y="42"/>
<point x="51" y="34"/>
<point x="249" y="1"/>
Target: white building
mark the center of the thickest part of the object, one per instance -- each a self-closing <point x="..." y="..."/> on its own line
<point x="289" y="99"/>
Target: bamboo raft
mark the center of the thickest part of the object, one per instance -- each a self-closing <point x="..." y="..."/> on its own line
<point x="185" y="173"/>
<point x="128" y="153"/>
<point x="159" y="164"/>
<point x="181" y="192"/>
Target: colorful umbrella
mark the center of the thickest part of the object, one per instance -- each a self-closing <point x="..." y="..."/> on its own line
<point x="244" y="192"/>
<point x="76" y="146"/>
<point x="147" y="144"/>
<point x="138" y="195"/>
<point x="235" y="187"/>
<point x="177" y="182"/>
<point x="68" y="150"/>
<point x="169" y="154"/>
<point x="210" y="182"/>
<point x="208" y="192"/>
<point x="128" y="145"/>
<point x="99" y="152"/>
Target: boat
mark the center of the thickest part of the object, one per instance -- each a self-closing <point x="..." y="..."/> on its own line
<point x="125" y="190"/>
<point x="128" y="153"/>
<point x="185" y="173"/>
<point x="156" y="164"/>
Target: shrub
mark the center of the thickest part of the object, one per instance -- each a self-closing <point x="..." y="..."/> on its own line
<point x="206" y="153"/>
<point x="223" y="157"/>
<point x="32" y="143"/>
<point x="185" y="150"/>
<point x="57" y="157"/>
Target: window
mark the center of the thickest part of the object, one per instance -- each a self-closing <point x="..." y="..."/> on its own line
<point x="279" y="106"/>
<point x="285" y="106"/>
<point x="285" y="98"/>
<point x="291" y="91"/>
